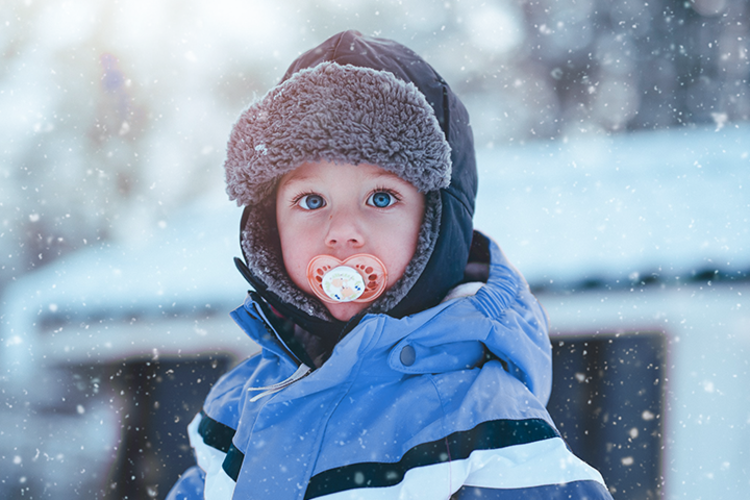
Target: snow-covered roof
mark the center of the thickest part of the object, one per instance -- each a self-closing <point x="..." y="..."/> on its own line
<point x="184" y="264"/>
<point x="171" y="291"/>
<point x="622" y="207"/>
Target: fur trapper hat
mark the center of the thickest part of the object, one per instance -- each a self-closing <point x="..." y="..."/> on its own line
<point x="336" y="113"/>
<point x="343" y="114"/>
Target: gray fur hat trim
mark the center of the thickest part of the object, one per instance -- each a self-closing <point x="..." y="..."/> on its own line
<point x="343" y="114"/>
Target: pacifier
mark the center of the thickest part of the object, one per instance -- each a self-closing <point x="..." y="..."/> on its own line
<point x="359" y="278"/>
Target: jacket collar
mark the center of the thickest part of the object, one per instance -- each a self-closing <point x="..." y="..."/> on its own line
<point x="502" y="320"/>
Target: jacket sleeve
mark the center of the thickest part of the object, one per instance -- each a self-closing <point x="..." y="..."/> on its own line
<point x="499" y="460"/>
<point x="189" y="486"/>
<point x="539" y="470"/>
<point x="582" y="490"/>
<point x="209" y="480"/>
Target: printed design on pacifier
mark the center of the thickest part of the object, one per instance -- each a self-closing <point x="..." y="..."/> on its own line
<point x="359" y="278"/>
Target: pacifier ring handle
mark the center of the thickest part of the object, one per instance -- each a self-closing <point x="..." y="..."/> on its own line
<point x="359" y="278"/>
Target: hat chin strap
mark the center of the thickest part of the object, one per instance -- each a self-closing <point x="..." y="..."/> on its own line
<point x="358" y="278"/>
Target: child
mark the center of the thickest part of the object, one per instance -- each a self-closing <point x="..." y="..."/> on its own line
<point x="402" y="356"/>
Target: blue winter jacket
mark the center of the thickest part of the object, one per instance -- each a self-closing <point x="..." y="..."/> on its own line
<point x="445" y="403"/>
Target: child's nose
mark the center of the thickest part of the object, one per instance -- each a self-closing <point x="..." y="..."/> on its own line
<point x="344" y="231"/>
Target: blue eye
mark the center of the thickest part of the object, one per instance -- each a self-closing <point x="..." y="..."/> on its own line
<point x="381" y="199"/>
<point x="312" y="202"/>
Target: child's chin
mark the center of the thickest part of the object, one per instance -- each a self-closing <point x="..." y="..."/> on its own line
<point x="345" y="311"/>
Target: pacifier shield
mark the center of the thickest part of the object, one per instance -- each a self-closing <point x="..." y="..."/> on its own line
<point x="359" y="278"/>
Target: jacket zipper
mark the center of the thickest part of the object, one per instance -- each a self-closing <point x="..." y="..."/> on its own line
<point x="302" y="372"/>
<point x="302" y="369"/>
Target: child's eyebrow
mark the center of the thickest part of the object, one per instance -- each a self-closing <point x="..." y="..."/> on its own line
<point x="384" y="173"/>
<point x="296" y="176"/>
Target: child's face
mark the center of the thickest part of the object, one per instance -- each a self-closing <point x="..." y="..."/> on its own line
<point x="342" y="210"/>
